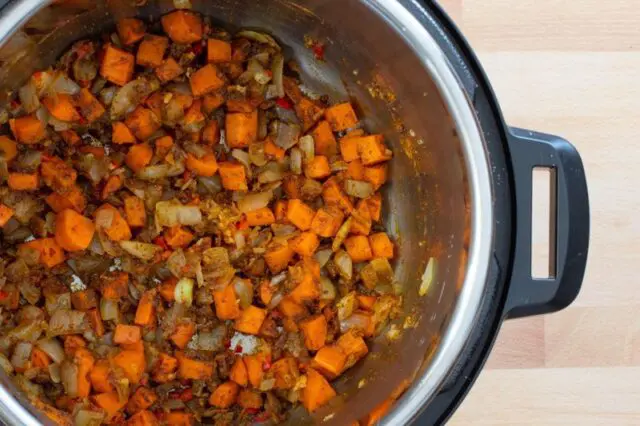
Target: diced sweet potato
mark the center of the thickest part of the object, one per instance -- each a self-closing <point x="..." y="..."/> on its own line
<point x="134" y="211"/>
<point x="300" y="214"/>
<point x="28" y="129"/>
<point x="130" y="30"/>
<point x="239" y="373"/>
<point x="305" y="244"/>
<point x="286" y="373"/>
<point x="183" y="26"/>
<point x="119" y="229"/>
<point x="117" y="65"/>
<point x="61" y="106"/>
<point x="90" y="107"/>
<point x="317" y="392"/>
<point x="169" y="70"/>
<point x="218" y="51"/>
<point x="70" y="198"/>
<point x="151" y="51"/>
<point x="205" y="166"/>
<point x="278" y="257"/>
<point x="192" y="369"/>
<point x="314" y="330"/>
<point x="121" y="134"/>
<point x="372" y="150"/>
<point x="341" y="117"/>
<point x="23" y="181"/>
<point x="225" y="395"/>
<point x="8" y="148"/>
<point x="182" y="334"/>
<point x="330" y="361"/>
<point x="381" y="245"/>
<point x="6" y="213"/>
<point x="260" y="217"/>
<point x="143" y="123"/>
<point x="51" y="253"/>
<point x="309" y="112"/>
<point x="233" y="176"/>
<point x="241" y="129"/>
<point x="376" y="175"/>
<point x="251" y="320"/>
<point x="74" y="232"/>
<point x="349" y="149"/>
<point x="226" y="302"/>
<point x="327" y="221"/>
<point x="333" y="195"/>
<point x="207" y="79"/>
<point x="325" y="141"/>
<point x="358" y="248"/>
<point x="318" y="168"/>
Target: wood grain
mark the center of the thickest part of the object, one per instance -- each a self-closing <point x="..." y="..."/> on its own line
<point x="571" y="68"/>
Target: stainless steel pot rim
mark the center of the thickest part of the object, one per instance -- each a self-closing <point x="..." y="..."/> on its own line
<point x="398" y="17"/>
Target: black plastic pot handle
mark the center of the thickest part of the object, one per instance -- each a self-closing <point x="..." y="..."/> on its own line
<point x="528" y="296"/>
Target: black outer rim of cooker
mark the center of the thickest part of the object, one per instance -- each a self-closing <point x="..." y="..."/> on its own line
<point x="478" y="88"/>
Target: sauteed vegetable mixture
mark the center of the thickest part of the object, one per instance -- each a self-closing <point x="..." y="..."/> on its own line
<point x="188" y="234"/>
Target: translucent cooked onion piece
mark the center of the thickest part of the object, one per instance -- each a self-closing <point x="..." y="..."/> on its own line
<point x="131" y="95"/>
<point x="64" y="322"/>
<point x="143" y="251"/>
<point x="259" y="37"/>
<point x="172" y="213"/>
<point x="183" y="292"/>
<point x="53" y="348"/>
<point x="255" y="201"/>
<point x="358" y="188"/>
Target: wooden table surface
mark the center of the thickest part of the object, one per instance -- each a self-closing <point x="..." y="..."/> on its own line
<point x="572" y="68"/>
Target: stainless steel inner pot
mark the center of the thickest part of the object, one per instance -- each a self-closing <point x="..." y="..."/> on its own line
<point x="439" y="201"/>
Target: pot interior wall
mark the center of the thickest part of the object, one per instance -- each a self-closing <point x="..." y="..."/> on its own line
<point x="426" y="203"/>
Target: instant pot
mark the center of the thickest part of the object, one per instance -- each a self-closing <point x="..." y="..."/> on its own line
<point x="459" y="202"/>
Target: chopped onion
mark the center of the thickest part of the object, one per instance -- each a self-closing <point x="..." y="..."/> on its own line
<point x="67" y="322"/>
<point x="339" y="166"/>
<point x="29" y="97"/>
<point x="161" y="171"/>
<point x="182" y="4"/>
<point x="240" y="240"/>
<point x="283" y="230"/>
<point x="428" y="276"/>
<point x="323" y="256"/>
<point x="383" y="269"/>
<point x="210" y="185"/>
<point x="53" y="348"/>
<point x="43" y="115"/>
<point x="108" y="309"/>
<point x="357" y="321"/>
<point x="131" y="95"/>
<point x="144" y="251"/>
<point x="69" y="378"/>
<point x="183" y="292"/>
<point x="275" y="300"/>
<point x="277" y="68"/>
<point x="259" y="37"/>
<point x="244" y="291"/>
<point x="5" y="364"/>
<point x="21" y="355"/>
<point x="267" y="384"/>
<point x="296" y="161"/>
<point x="63" y="84"/>
<point x="242" y="157"/>
<point x="86" y="68"/>
<point x="54" y="302"/>
<point x="89" y="418"/>
<point x="211" y="341"/>
<point x="58" y="126"/>
<point x="104" y="218"/>
<point x="327" y="289"/>
<point x="108" y="95"/>
<point x="286" y="134"/>
<point x="256" y="154"/>
<point x="176" y="263"/>
<point x="347" y="305"/>
<point x="307" y="145"/>
<point x="256" y="201"/>
<point x="272" y="172"/>
<point x="344" y="264"/>
<point x="172" y="213"/>
<point x="30" y="331"/>
<point x="54" y="372"/>
<point x="341" y="235"/>
<point x="358" y="188"/>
